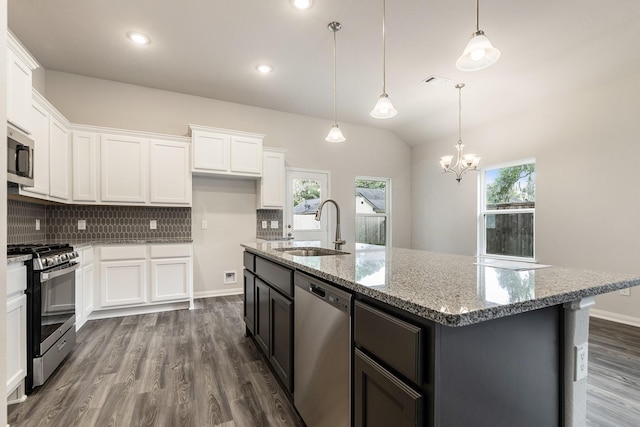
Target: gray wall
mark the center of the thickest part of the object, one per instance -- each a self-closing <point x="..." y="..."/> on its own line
<point x="587" y="150"/>
<point x="367" y="152"/>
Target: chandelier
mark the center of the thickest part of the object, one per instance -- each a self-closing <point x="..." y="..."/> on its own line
<point x="464" y="162"/>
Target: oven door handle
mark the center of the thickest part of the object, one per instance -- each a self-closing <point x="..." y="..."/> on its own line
<point x="45" y="277"/>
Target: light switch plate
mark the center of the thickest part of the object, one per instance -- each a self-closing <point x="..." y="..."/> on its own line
<point x="274" y="224"/>
<point x="82" y="224"/>
<point x="205" y="224"/>
<point x="153" y="224"/>
<point x="37" y="224"/>
<point x="264" y="224"/>
<point x="625" y="292"/>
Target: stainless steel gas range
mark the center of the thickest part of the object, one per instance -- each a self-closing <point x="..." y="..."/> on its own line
<point x="51" y="308"/>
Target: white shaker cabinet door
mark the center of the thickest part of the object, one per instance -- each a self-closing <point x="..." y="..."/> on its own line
<point x="123" y="283"/>
<point x="273" y="182"/>
<point x="85" y="166"/>
<point x="16" y="343"/>
<point x="210" y="152"/>
<point x="40" y="136"/>
<point x="170" y="181"/>
<point x="19" y="77"/>
<point x="59" y="160"/>
<point x="170" y="279"/>
<point x="124" y="169"/>
<point x="246" y="155"/>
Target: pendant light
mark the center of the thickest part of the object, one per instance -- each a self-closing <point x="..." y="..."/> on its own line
<point x="464" y="162"/>
<point x="479" y="52"/>
<point x="384" y="108"/>
<point x="335" y="134"/>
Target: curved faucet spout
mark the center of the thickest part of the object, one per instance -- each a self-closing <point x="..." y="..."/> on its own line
<point x="338" y="241"/>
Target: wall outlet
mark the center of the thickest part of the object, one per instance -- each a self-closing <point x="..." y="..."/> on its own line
<point x="264" y="224"/>
<point x="82" y="224"/>
<point x="229" y="277"/>
<point x="37" y="224"/>
<point x="274" y="224"/>
<point x="625" y="292"/>
<point x="205" y="224"/>
<point x="153" y="224"/>
<point x="581" y="361"/>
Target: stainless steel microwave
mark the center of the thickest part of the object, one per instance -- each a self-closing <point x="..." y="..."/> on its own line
<point x="19" y="157"/>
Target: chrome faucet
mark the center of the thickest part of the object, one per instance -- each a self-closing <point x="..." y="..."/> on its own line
<point x="338" y="242"/>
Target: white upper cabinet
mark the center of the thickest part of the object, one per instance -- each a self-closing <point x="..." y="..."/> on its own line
<point x="246" y="155"/>
<point x="20" y="65"/>
<point x="52" y="152"/>
<point x="59" y="160"/>
<point x="210" y="152"/>
<point x="123" y="169"/>
<point x="85" y="166"/>
<point x="40" y="135"/>
<point x="170" y="173"/>
<point x="226" y="152"/>
<point x="271" y="187"/>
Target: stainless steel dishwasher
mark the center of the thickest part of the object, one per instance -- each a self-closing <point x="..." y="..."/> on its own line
<point x="322" y="353"/>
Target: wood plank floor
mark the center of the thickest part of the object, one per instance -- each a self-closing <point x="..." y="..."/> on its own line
<point x="613" y="398"/>
<point x="178" y="368"/>
<point x="196" y="368"/>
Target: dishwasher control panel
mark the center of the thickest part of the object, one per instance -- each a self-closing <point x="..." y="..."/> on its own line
<point x="325" y="291"/>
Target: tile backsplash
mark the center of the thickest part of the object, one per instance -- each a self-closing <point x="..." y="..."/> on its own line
<point x="269" y="215"/>
<point x="21" y="222"/>
<point x="103" y="223"/>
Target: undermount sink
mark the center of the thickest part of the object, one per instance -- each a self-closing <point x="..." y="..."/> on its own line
<point x="310" y="251"/>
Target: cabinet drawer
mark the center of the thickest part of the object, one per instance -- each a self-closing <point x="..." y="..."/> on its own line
<point x="396" y="342"/>
<point x="249" y="261"/>
<point x="16" y="280"/>
<point x="277" y="276"/>
<point x="170" y="251"/>
<point x="114" y="253"/>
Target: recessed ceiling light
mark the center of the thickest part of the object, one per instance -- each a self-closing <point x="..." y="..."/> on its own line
<point x="302" y="4"/>
<point x="138" y="38"/>
<point x="264" y="68"/>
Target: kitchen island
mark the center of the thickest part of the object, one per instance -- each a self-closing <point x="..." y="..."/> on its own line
<point x="467" y="343"/>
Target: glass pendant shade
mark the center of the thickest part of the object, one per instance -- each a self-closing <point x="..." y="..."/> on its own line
<point x="335" y="135"/>
<point x="384" y="108"/>
<point x="478" y="54"/>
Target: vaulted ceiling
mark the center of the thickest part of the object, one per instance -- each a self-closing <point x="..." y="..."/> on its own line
<point x="210" y="48"/>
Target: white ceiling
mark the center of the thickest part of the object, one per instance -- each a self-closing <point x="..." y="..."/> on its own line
<point x="209" y="48"/>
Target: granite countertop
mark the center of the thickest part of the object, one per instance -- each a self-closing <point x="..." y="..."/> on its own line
<point x="15" y="259"/>
<point x="449" y="289"/>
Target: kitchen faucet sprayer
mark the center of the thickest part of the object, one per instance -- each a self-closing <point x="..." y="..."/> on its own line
<point x="338" y="242"/>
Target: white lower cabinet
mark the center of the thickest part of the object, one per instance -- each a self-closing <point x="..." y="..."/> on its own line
<point x="84" y="285"/>
<point x="123" y="275"/>
<point x="144" y="275"/>
<point x="16" y="330"/>
<point x="170" y="272"/>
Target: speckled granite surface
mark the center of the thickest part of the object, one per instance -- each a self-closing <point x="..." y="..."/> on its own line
<point x="448" y="289"/>
<point x="15" y="259"/>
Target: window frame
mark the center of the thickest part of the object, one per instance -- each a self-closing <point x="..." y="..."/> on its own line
<point x="387" y="214"/>
<point x="483" y="212"/>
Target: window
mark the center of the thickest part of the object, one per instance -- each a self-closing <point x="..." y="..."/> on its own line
<point x="507" y="210"/>
<point x="373" y="210"/>
<point x="306" y="200"/>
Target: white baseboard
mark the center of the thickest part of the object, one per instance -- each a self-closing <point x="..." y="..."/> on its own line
<point x="218" y="293"/>
<point x="134" y="311"/>
<point x="615" y="317"/>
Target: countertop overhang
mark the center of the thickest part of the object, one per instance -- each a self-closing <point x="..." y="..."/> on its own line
<point x="445" y="288"/>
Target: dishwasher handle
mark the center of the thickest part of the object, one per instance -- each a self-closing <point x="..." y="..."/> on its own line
<point x="314" y="289"/>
